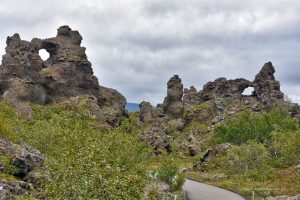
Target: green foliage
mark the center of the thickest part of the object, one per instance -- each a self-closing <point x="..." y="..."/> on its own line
<point x="245" y="160"/>
<point x="251" y="126"/>
<point x="6" y="163"/>
<point x="128" y="124"/>
<point x="84" y="162"/>
<point x="202" y="112"/>
<point x="168" y="173"/>
<point x="286" y="148"/>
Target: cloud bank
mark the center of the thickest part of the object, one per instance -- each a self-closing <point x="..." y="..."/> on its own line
<point x="137" y="45"/>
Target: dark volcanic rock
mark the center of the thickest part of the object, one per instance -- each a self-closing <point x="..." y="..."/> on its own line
<point x="10" y="190"/>
<point x="218" y="100"/>
<point x="193" y="146"/>
<point x="220" y="88"/>
<point x="191" y="96"/>
<point x="266" y="87"/>
<point x="23" y="157"/>
<point x="217" y="150"/>
<point x="146" y="112"/>
<point x="173" y="104"/>
<point x="210" y="154"/>
<point x="26" y="78"/>
<point x="157" y="138"/>
<point x="30" y="172"/>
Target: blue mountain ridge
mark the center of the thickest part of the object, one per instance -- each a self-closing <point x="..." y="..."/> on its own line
<point x="132" y="107"/>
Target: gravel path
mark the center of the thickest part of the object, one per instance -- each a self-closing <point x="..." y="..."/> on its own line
<point x="198" y="191"/>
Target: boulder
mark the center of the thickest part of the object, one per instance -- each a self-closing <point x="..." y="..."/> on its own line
<point x="157" y="138"/>
<point x="213" y="152"/>
<point x="11" y="189"/>
<point x="193" y="147"/>
<point x="30" y="173"/>
<point x="24" y="158"/>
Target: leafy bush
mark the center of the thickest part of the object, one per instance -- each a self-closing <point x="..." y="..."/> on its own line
<point x="83" y="161"/>
<point x="169" y="173"/>
<point x="251" y="126"/>
<point x="245" y="159"/>
<point x="6" y="163"/>
<point x="286" y="148"/>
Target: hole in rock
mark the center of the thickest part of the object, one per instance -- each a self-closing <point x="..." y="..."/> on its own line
<point x="248" y="91"/>
<point x="44" y="54"/>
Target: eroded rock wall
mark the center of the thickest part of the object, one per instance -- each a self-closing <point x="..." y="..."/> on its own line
<point x="266" y="88"/>
<point x="26" y="78"/>
<point x="218" y="100"/>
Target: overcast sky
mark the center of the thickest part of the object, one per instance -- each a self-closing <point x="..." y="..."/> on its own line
<point x="135" y="46"/>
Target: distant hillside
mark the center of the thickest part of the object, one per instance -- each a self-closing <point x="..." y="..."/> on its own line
<point x="132" y="107"/>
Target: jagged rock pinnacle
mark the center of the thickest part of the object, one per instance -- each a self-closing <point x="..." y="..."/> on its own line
<point x="25" y="77"/>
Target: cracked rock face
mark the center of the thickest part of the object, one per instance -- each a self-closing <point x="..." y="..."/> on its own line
<point x="173" y="103"/>
<point x="266" y="88"/>
<point x="146" y="112"/>
<point x="26" y="160"/>
<point x="25" y="77"/>
<point x="180" y="107"/>
<point x="157" y="138"/>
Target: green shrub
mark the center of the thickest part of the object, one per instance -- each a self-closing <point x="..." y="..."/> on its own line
<point x="128" y="125"/>
<point x="83" y="161"/>
<point x="6" y="163"/>
<point x="285" y="148"/>
<point x="168" y="173"/>
<point x="251" y="126"/>
<point x="247" y="160"/>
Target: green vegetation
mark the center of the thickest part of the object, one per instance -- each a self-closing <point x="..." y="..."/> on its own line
<point x="242" y="160"/>
<point x="168" y="173"/>
<point x="285" y="148"/>
<point x="84" y="162"/>
<point x="263" y="159"/>
<point x="6" y="163"/>
<point x="251" y="126"/>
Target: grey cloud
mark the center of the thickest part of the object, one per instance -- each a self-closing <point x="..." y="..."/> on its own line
<point x="137" y="45"/>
